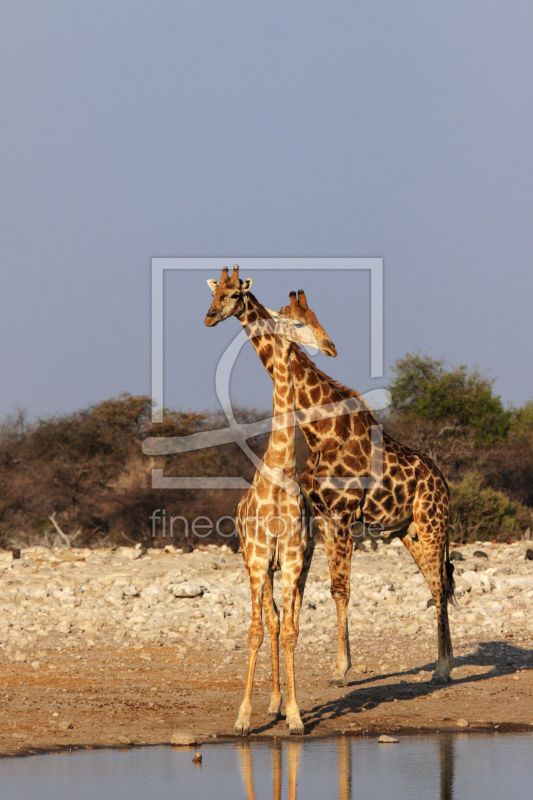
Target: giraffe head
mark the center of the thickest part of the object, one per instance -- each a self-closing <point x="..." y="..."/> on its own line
<point x="228" y="296"/>
<point x="299" y="325"/>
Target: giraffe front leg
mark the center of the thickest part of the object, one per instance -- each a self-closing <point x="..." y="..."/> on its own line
<point x="289" y="640"/>
<point x="339" y="553"/>
<point x="272" y="621"/>
<point x="255" y="640"/>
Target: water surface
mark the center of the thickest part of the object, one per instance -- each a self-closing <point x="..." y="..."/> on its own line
<point x="463" y="766"/>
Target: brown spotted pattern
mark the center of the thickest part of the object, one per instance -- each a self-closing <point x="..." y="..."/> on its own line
<point x="272" y="522"/>
<point x="411" y="500"/>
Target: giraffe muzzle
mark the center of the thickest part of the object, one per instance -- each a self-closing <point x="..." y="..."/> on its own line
<point x="329" y="348"/>
<point x="211" y="319"/>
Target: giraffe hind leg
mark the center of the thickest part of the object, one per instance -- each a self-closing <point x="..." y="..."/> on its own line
<point x="272" y="621"/>
<point x="428" y="550"/>
<point x="307" y="559"/>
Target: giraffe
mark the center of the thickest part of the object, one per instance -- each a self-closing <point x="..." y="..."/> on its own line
<point x="272" y="521"/>
<point x="411" y="499"/>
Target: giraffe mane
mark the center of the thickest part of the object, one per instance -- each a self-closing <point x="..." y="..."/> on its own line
<point x="259" y="306"/>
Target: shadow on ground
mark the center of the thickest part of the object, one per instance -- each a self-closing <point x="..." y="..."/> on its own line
<point x="366" y="694"/>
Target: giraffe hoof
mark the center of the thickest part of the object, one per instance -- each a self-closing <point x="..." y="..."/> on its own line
<point x="296" y="727"/>
<point x="273" y="716"/>
<point x="338" y="682"/>
<point x="241" y="729"/>
<point x="440" y="679"/>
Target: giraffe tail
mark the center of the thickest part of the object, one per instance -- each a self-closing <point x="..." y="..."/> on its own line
<point x="308" y="505"/>
<point x="449" y="569"/>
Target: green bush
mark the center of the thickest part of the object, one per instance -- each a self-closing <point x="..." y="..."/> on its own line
<point x="424" y="389"/>
<point x="522" y="421"/>
<point x="479" y="513"/>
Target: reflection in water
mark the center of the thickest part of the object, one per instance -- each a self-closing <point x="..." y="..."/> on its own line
<point x="293" y="749"/>
<point x="345" y="768"/>
<point x="447" y="758"/>
<point x="276" y="771"/>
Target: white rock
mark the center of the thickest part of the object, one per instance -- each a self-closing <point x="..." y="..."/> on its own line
<point x="153" y="593"/>
<point x="184" y="738"/>
<point x="411" y="628"/>
<point x="130" y="552"/>
<point x="187" y="589"/>
<point x="173" y="576"/>
<point x="39" y="593"/>
<point x="115" y="598"/>
<point x="130" y="590"/>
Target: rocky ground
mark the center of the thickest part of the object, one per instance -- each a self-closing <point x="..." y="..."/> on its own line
<point x="111" y="647"/>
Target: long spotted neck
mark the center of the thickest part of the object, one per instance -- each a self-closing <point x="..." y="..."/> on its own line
<point x="281" y="451"/>
<point x="312" y="387"/>
<point x="263" y="344"/>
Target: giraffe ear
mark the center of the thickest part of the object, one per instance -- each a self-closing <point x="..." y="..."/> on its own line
<point x="274" y="314"/>
<point x="212" y="284"/>
<point x="246" y="285"/>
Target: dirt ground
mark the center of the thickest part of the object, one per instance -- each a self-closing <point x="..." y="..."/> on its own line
<point x="99" y="697"/>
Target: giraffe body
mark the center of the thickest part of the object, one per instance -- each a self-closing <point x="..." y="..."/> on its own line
<point x="411" y="499"/>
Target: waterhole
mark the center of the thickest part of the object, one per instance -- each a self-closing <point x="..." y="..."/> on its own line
<point x="461" y="766"/>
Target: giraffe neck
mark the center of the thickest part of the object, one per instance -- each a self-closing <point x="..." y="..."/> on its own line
<point x="250" y="318"/>
<point x="281" y="451"/>
<point x="312" y="387"/>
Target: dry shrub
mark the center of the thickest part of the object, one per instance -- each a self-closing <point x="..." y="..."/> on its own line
<point x="509" y="468"/>
<point x="482" y="514"/>
<point x="87" y="471"/>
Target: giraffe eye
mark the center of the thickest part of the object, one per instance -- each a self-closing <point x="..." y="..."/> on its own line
<point x="234" y="296"/>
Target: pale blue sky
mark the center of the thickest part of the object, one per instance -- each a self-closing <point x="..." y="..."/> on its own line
<point x="134" y="129"/>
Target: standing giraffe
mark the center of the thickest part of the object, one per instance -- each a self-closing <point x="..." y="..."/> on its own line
<point x="411" y="500"/>
<point x="272" y="521"/>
